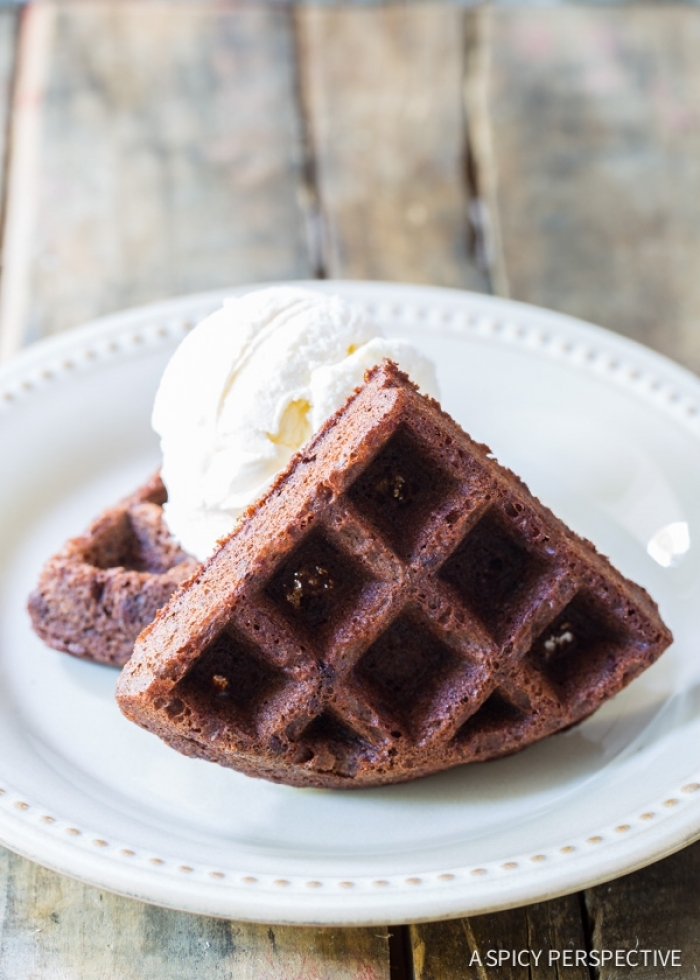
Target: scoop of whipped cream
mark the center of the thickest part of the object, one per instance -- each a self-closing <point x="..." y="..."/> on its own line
<point x="247" y="388"/>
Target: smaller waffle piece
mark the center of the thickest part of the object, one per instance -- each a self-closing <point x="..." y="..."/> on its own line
<point x="396" y="604"/>
<point x="96" y="595"/>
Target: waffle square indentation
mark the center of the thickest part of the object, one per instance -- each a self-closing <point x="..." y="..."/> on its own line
<point x="119" y="546"/>
<point x="229" y="680"/>
<point x="329" y="743"/>
<point x="578" y="647"/>
<point x="404" y="669"/>
<point x="493" y="572"/>
<point x="316" y="586"/>
<point x="495" y="717"/>
<point x="399" y="490"/>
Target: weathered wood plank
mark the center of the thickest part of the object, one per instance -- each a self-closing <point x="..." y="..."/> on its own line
<point x="511" y="945"/>
<point x="156" y="150"/>
<point x="587" y="132"/>
<point x="8" y="36"/>
<point x="656" y="909"/>
<point x="382" y="92"/>
<point x="52" y="927"/>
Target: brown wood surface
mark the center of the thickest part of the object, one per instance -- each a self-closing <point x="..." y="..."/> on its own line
<point x="9" y="20"/>
<point x="655" y="909"/>
<point x="511" y="945"/>
<point x="385" y="116"/>
<point x="589" y="144"/>
<point x="52" y="927"/>
<point x="157" y="151"/>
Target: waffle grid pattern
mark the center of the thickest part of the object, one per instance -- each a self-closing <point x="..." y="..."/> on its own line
<point x="479" y="631"/>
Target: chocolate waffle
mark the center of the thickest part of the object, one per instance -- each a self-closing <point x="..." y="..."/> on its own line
<point x="398" y="603"/>
<point x="96" y="595"/>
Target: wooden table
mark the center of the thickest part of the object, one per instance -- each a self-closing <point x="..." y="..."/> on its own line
<point x="152" y="149"/>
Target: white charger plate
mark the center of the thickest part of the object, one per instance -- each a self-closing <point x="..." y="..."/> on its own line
<point x="606" y="432"/>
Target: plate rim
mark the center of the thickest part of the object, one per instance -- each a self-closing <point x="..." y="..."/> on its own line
<point x="661" y="382"/>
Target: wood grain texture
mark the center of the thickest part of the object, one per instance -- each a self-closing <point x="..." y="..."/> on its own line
<point x="157" y="151"/>
<point x="382" y="91"/>
<point x="590" y="146"/>
<point x="8" y="34"/>
<point x="510" y="945"/>
<point x="657" y="908"/>
<point x="53" y="928"/>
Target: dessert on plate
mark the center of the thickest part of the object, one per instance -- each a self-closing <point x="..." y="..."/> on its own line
<point x="104" y="586"/>
<point x="395" y="604"/>
<point x="353" y="591"/>
<point x="243" y="392"/>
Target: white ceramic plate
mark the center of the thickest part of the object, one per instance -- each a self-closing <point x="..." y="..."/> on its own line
<point x="604" y="431"/>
